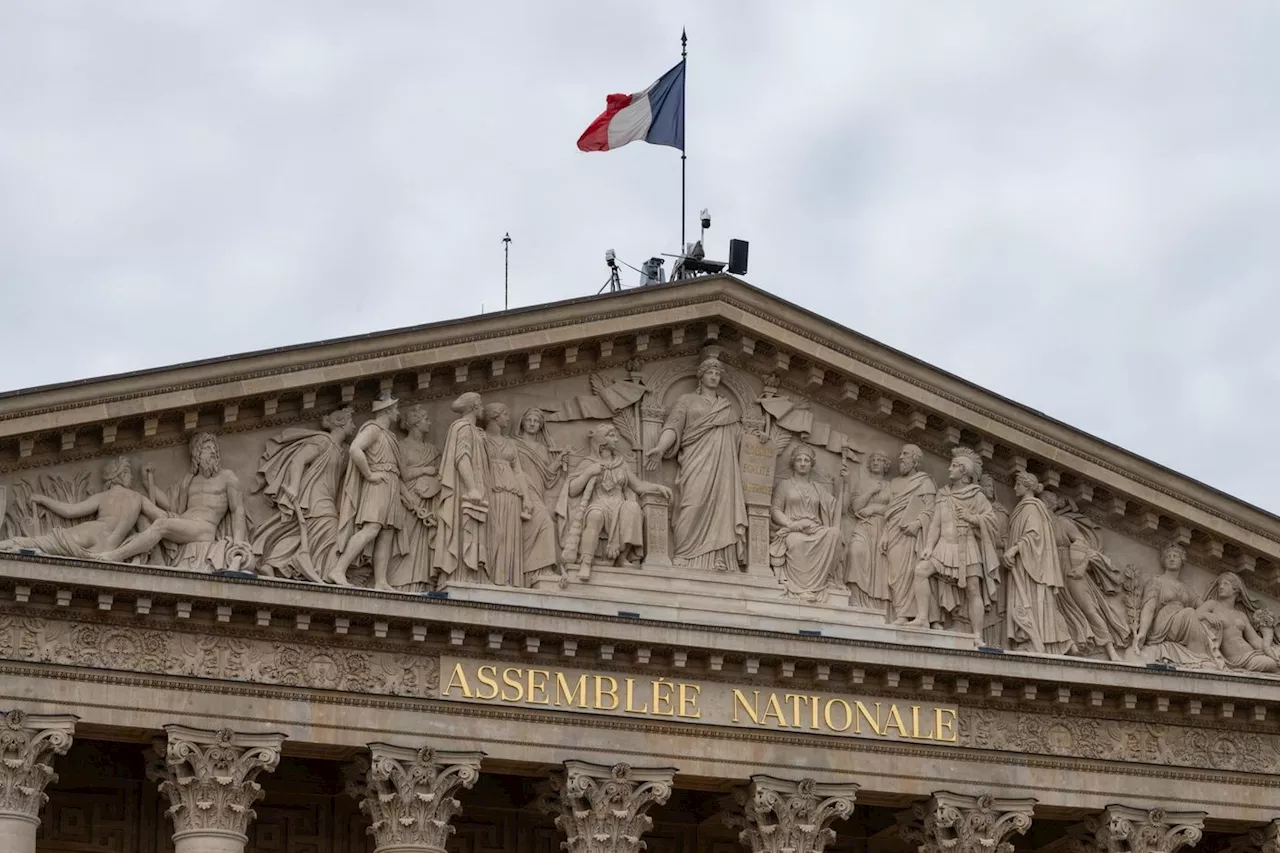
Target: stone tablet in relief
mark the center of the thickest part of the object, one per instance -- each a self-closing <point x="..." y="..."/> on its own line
<point x="203" y="527"/>
<point x="1033" y="621"/>
<point x="958" y="560"/>
<point x="512" y="524"/>
<point x="806" y="548"/>
<point x="598" y="507"/>
<point x="1092" y="606"/>
<point x="116" y="512"/>
<point x="460" y="552"/>
<point x="865" y="577"/>
<point x="758" y="458"/>
<point x="711" y="517"/>
<point x="299" y="475"/>
<point x="369" y="501"/>
<point x="911" y="500"/>
<point x="410" y="569"/>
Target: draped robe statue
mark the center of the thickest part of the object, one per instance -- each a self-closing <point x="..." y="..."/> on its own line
<point x="461" y="506"/>
<point x="1033" y="620"/>
<point x="410" y="569"/>
<point x="910" y="508"/>
<point x="805" y="551"/>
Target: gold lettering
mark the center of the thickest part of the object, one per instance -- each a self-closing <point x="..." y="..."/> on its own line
<point x="690" y="702"/>
<point x="864" y="714"/>
<point x="659" y="698"/>
<point x="535" y="687"/>
<point x="774" y="707"/>
<point x="895" y="721"/>
<point x="795" y="699"/>
<point x="511" y="678"/>
<point x="753" y="710"/>
<point x="459" y="677"/>
<point x="488" y="676"/>
<point x="948" y="725"/>
<point x="915" y="724"/>
<point x="566" y="696"/>
<point x="813" y="712"/>
<point x="848" y="715"/>
<point x="601" y="693"/>
<point x="630" y="709"/>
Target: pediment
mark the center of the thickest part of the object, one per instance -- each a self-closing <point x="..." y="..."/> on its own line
<point x="790" y="378"/>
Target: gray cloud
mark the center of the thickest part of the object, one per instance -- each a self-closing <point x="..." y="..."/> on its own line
<point x="1073" y="205"/>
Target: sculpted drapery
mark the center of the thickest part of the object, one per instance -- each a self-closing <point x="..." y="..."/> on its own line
<point x="1032" y="618"/>
<point x="461" y="552"/>
<point x="805" y="551"/>
<point x="868" y="583"/>
<point x="910" y="507"/>
<point x="419" y="484"/>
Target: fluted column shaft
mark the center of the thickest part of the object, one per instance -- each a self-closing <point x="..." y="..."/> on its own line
<point x="28" y="743"/>
<point x="408" y="794"/>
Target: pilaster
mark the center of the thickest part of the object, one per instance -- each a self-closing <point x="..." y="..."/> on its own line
<point x="955" y="823"/>
<point x="1125" y="829"/>
<point x="777" y="815"/>
<point x="602" y="808"/>
<point x="28" y="743"/>
<point x="408" y="794"/>
<point x="209" y="778"/>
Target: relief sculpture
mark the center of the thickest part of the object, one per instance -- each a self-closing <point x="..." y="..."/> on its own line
<point x="369" y="505"/>
<point x="410" y="569"/>
<point x="912" y="495"/>
<point x="805" y="551"/>
<point x="460" y="551"/>
<point x="868" y="507"/>
<point x="1035" y="580"/>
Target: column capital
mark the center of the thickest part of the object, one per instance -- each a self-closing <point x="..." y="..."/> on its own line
<point x="1261" y="839"/>
<point x="408" y="794"/>
<point x="604" y="808"/>
<point x="1125" y="829"/>
<point x="209" y="778"/>
<point x="28" y="743"/>
<point x="779" y="815"/>
<point x="957" y="823"/>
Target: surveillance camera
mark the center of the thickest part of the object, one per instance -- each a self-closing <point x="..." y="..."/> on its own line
<point x="610" y="257"/>
<point x="706" y="218"/>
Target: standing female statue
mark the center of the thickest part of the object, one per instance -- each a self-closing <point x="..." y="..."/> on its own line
<point x="869" y="587"/>
<point x="510" y="508"/>
<point x="419" y="483"/>
<point x="1170" y="627"/>
<point x="543" y="466"/>
<point x="1032" y="619"/>
<point x="1239" y="644"/>
<point x="806" y="540"/>
<point x="710" y="515"/>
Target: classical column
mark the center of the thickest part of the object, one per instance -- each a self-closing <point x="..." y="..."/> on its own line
<point x="1124" y="829"/>
<point x="209" y="778"/>
<point x="657" y="531"/>
<point x="959" y="824"/>
<point x="408" y="794"/>
<point x="604" y="809"/>
<point x="1263" y="839"/>
<point x="28" y="743"/>
<point x="777" y="815"/>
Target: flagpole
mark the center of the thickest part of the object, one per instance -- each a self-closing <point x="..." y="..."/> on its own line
<point x="684" y="52"/>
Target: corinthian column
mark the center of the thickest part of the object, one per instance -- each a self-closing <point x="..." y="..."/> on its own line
<point x="1263" y="839"/>
<point x="408" y="794"/>
<point x="777" y="815"/>
<point x="603" y="809"/>
<point x="1124" y="829"/>
<point x="28" y="743"/>
<point x="208" y="777"/>
<point x="953" y="823"/>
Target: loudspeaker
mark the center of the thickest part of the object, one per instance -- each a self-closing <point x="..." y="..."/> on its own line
<point x="738" y="257"/>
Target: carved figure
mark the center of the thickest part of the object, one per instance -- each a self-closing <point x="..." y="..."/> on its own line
<point x="204" y="524"/>
<point x="368" y="512"/>
<point x="542" y="466"/>
<point x="1234" y="637"/>
<point x="994" y="632"/>
<point x="606" y="512"/>
<point x="299" y="475"/>
<point x="805" y="551"/>
<point x="1092" y="606"/>
<point x="510" y="509"/>
<point x="1033" y="621"/>
<point x="117" y="510"/>
<point x="460" y="551"/>
<point x="410" y="569"/>
<point x="864" y="573"/>
<point x="912" y="495"/>
<point x="711" y="515"/>
<point x="959" y="549"/>
<point x="1170" y="627"/>
<point x="1002" y="512"/>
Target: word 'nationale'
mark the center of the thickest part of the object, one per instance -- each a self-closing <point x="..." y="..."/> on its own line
<point x="687" y="701"/>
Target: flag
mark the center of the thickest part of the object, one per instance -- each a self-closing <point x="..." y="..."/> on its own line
<point x="655" y="115"/>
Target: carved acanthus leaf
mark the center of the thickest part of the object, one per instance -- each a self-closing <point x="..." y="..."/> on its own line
<point x="604" y="809"/>
<point x="28" y="743"/>
<point x="784" y="816"/>
<point x="953" y="823"/>
<point x="1124" y="829"/>
<point x="408" y="794"/>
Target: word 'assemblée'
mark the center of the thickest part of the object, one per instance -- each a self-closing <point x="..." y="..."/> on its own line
<point x="711" y="703"/>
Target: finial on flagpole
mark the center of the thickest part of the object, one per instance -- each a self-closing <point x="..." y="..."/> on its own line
<point x="684" y="43"/>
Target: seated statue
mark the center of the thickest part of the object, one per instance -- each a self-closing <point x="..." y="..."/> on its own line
<point x="1240" y="646"/>
<point x="606" y="512"/>
<point x="203" y="524"/>
<point x="805" y="552"/>
<point x="1170" y="628"/>
<point x="117" y="510"/>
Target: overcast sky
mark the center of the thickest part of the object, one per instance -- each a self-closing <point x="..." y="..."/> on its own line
<point x="1073" y="204"/>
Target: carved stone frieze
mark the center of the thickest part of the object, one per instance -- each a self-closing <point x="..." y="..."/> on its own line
<point x="230" y="657"/>
<point x="785" y="816"/>
<point x="1125" y="829"/>
<point x="28" y="743"/>
<point x="602" y="808"/>
<point x="955" y="823"/>
<point x="209" y="778"/>
<point x="408" y="794"/>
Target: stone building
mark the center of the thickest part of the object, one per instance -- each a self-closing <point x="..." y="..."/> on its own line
<point x="684" y="566"/>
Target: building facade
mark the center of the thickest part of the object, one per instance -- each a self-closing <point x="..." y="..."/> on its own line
<point x="684" y="569"/>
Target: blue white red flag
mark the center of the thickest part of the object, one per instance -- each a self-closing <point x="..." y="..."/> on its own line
<point x="655" y="115"/>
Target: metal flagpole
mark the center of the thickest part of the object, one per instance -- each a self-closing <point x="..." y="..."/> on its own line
<point x="506" y="271"/>
<point x="684" y="53"/>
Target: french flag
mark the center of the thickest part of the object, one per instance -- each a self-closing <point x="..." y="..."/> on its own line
<point x="655" y="115"/>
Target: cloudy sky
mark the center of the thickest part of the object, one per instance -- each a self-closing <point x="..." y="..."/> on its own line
<point x="1074" y="204"/>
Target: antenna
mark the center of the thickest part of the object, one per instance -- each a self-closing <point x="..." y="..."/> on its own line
<point x="506" y="271"/>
